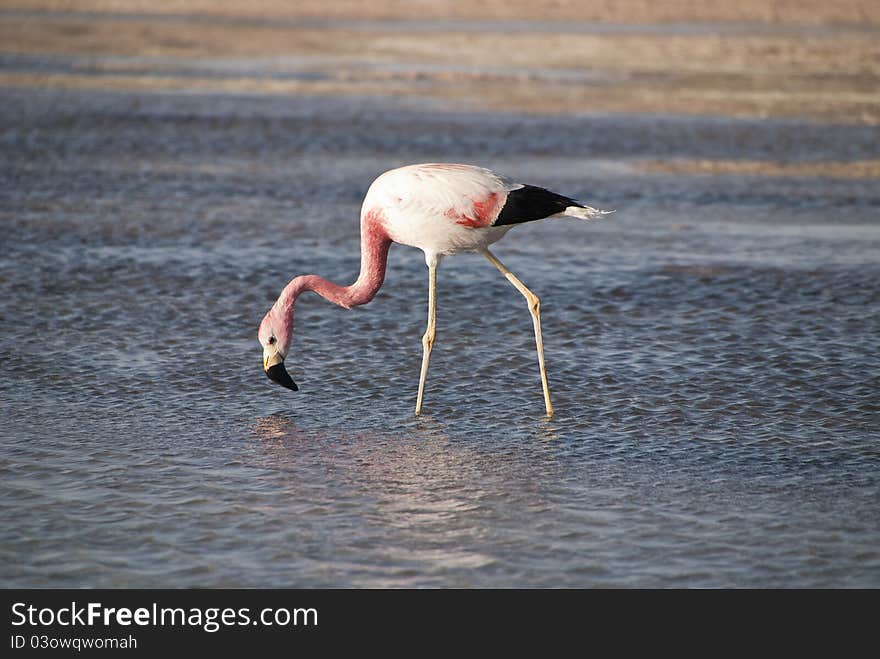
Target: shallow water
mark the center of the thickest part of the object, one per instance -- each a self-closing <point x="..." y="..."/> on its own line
<point x="712" y="350"/>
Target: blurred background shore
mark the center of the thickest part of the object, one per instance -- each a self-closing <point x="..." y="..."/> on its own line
<point x="804" y="59"/>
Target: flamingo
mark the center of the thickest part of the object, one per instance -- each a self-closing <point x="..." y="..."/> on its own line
<point x="442" y="209"/>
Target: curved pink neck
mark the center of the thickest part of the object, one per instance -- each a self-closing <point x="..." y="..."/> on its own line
<point x="374" y="258"/>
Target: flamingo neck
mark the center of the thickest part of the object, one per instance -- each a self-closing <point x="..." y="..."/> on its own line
<point x="374" y="259"/>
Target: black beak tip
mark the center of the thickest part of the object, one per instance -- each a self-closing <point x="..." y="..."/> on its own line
<point x="279" y="374"/>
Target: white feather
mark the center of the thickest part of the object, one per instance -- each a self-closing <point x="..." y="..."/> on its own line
<point x="424" y="206"/>
<point x="585" y="213"/>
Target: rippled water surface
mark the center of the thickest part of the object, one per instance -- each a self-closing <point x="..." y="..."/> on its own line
<point x="712" y="350"/>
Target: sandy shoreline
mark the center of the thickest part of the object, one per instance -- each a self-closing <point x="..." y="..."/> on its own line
<point x="800" y="60"/>
<point x="807" y="12"/>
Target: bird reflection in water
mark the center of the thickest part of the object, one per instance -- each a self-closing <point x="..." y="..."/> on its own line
<point x="274" y="426"/>
<point x="422" y="498"/>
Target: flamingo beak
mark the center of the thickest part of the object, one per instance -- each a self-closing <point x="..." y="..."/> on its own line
<point x="273" y="365"/>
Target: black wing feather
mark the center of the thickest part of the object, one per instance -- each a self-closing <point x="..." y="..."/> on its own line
<point x="530" y="203"/>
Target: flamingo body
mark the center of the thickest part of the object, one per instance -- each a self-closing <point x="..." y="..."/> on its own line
<point x="441" y="209"/>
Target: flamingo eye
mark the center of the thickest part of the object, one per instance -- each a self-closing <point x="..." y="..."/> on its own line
<point x="271" y="340"/>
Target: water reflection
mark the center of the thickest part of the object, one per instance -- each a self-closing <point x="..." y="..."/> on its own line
<point x="427" y="503"/>
<point x="274" y="426"/>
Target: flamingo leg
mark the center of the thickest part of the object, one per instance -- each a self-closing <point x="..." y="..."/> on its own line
<point x="535" y="310"/>
<point x="428" y="338"/>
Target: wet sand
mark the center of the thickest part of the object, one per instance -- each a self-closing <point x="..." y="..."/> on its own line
<point x="763" y="60"/>
<point x="806" y="12"/>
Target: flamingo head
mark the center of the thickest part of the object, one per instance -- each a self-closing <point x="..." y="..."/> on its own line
<point x="276" y="332"/>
